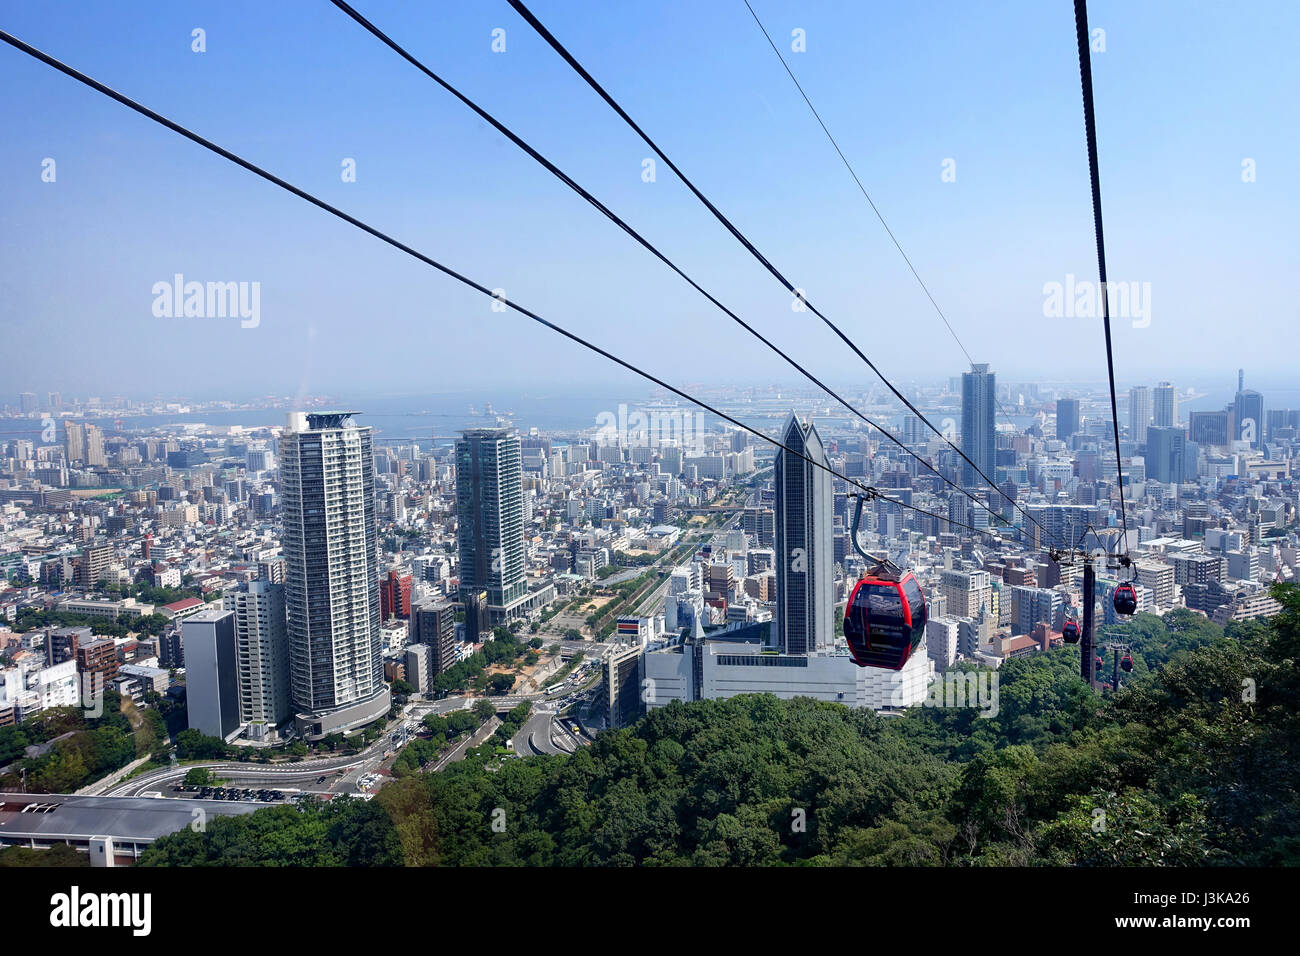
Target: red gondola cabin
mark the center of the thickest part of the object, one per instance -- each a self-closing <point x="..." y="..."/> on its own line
<point x="1126" y="599"/>
<point x="884" y="621"/>
<point x="1070" y="631"/>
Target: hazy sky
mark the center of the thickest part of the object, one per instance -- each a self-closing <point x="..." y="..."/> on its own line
<point x="1185" y="93"/>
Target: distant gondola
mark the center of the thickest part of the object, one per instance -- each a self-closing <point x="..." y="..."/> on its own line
<point x="1126" y="663"/>
<point x="1070" y="631"/>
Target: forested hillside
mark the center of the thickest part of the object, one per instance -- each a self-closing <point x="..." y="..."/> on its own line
<point x="1193" y="763"/>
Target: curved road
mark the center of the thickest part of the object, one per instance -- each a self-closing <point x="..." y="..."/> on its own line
<point x="286" y="774"/>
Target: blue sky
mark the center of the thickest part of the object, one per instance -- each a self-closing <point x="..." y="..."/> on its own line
<point x="1185" y="92"/>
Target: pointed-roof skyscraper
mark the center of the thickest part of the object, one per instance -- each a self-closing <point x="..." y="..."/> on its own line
<point x="805" y="550"/>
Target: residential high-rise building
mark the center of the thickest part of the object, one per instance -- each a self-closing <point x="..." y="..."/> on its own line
<point x="490" y="516"/>
<point x="74" y="442"/>
<point x="97" y="665"/>
<point x="805" y="548"/>
<point x="1157" y="578"/>
<point x="395" y="596"/>
<point x="966" y="593"/>
<point x="1067" y="417"/>
<point x="433" y="623"/>
<point x="261" y="654"/>
<point x="1139" y="412"/>
<point x="1164" y="406"/>
<point x="978" y="441"/>
<point x="331" y="573"/>
<point x="93" y="564"/>
<point x="95" y="446"/>
<point x="211" y="672"/>
<point x="417" y="667"/>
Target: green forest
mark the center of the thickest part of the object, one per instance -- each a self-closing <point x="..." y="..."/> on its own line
<point x="1192" y="763"/>
<point x="79" y="747"/>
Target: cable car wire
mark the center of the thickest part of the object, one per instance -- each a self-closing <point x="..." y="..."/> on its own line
<point x="622" y="224"/>
<point x="1090" y="127"/>
<point x="446" y="270"/>
<point x="740" y="237"/>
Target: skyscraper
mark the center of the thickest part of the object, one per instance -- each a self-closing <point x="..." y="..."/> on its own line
<point x="331" y="573"/>
<point x="1164" y="408"/>
<point x="805" y="546"/>
<point x="1139" y="412"/>
<point x="1248" y="414"/>
<point x="978" y="391"/>
<point x="490" y="516"/>
<point x="1067" y="417"/>
<point x="211" y="674"/>
<point x="261" y="654"/>
<point x="95" y="446"/>
<point x="1166" y="455"/>
<point x="74" y="442"/>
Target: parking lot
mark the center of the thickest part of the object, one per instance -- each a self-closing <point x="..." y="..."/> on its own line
<point x="229" y="793"/>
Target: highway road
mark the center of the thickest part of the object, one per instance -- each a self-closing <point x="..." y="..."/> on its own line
<point x="302" y="775"/>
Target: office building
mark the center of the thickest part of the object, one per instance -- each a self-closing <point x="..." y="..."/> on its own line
<point x="1248" y="414"/>
<point x="331" y="573"/>
<point x="978" y="439"/>
<point x="621" y="701"/>
<point x="805" y="601"/>
<point x="1209" y="428"/>
<point x="1166" y="455"/>
<point x="1067" y="417"/>
<point x="211" y="672"/>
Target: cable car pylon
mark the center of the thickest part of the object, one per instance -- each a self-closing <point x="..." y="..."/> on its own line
<point x="1088" y="638"/>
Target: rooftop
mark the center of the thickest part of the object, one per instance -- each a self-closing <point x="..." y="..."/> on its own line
<point x="137" y="818"/>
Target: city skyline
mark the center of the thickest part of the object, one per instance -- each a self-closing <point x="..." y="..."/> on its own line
<point x="555" y="436"/>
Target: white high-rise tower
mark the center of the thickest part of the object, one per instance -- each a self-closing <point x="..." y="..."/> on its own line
<point x="331" y="574"/>
<point x="1139" y="413"/>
